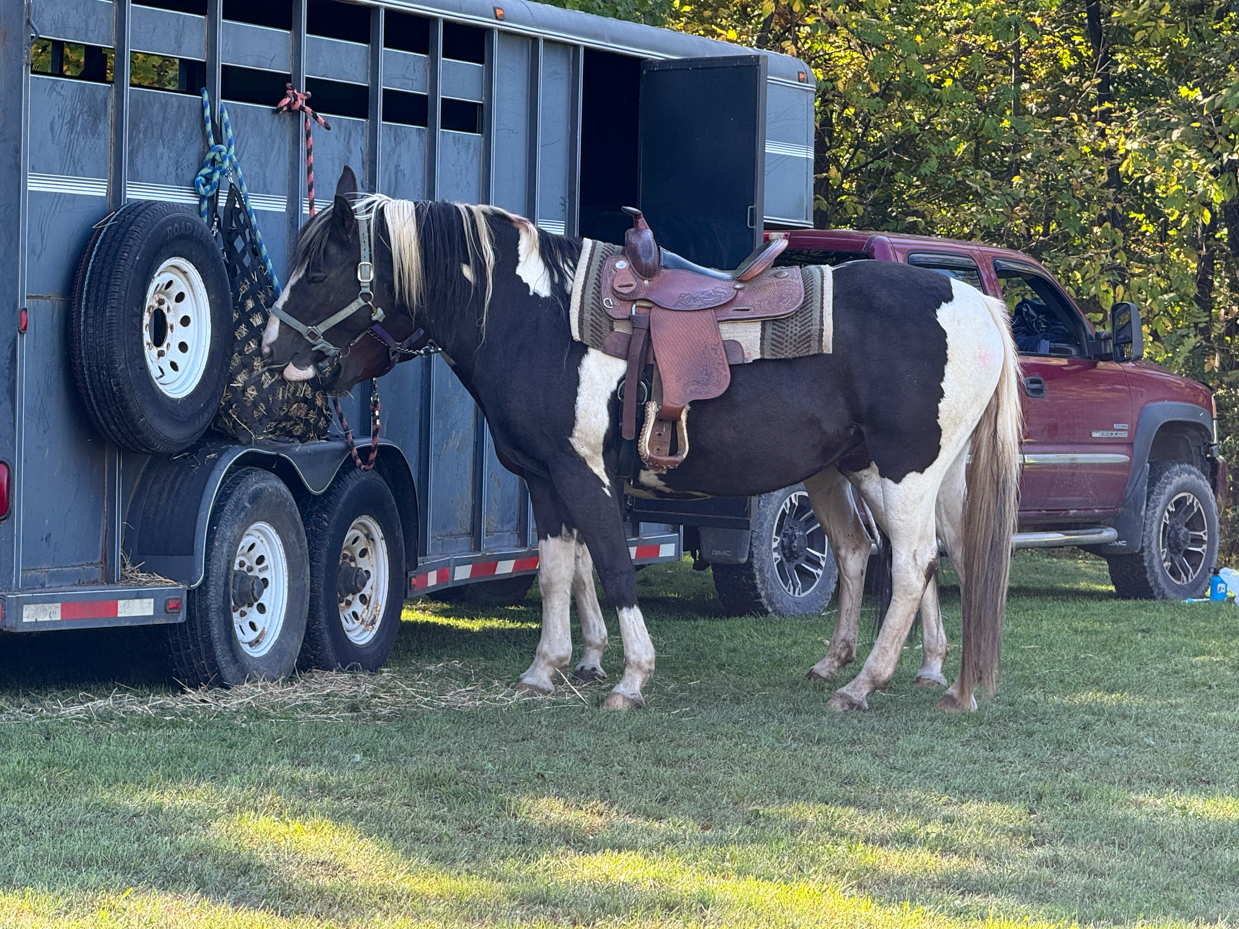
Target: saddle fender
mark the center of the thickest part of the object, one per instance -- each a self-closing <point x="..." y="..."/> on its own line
<point x="168" y="504"/>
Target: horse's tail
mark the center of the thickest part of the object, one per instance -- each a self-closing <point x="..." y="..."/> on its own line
<point x="990" y="509"/>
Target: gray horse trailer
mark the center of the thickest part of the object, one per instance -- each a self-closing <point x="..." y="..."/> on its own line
<point x="561" y="116"/>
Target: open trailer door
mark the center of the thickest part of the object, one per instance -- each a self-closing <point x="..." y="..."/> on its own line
<point x="702" y="155"/>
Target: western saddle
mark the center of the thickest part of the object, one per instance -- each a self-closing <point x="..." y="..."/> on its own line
<point x="675" y="308"/>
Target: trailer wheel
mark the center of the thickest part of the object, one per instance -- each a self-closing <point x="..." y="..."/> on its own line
<point x="151" y="331"/>
<point x="357" y="574"/>
<point x="246" y="620"/>
<point x="790" y="570"/>
<point x="507" y="591"/>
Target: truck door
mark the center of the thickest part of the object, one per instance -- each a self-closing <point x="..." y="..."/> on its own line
<point x="701" y="155"/>
<point x="1077" y="409"/>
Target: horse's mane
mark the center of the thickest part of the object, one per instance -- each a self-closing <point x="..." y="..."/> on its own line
<point x="432" y="240"/>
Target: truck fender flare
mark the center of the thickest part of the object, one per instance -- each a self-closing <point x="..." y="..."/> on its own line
<point x="1129" y="521"/>
<point x="168" y="505"/>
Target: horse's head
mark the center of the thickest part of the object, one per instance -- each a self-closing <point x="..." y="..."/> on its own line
<point x="340" y="300"/>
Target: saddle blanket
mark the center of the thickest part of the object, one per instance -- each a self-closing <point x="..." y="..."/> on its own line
<point x="807" y="330"/>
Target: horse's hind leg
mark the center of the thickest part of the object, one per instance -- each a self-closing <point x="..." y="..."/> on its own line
<point x="593" y="627"/>
<point x="950" y="514"/>
<point x="905" y="511"/>
<point x="828" y="493"/>
<point x="556" y="568"/>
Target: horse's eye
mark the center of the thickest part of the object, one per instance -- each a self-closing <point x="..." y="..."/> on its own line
<point x="315" y="276"/>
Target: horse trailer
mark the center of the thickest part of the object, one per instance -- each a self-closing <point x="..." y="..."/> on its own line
<point x="117" y="505"/>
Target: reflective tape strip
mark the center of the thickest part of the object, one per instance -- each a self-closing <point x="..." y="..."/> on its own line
<point x="646" y="552"/>
<point x="87" y="609"/>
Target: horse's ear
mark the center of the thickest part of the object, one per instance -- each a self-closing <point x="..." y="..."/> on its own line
<point x="343" y="221"/>
<point x="347" y="185"/>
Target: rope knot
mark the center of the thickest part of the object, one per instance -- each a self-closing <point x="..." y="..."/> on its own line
<point x="295" y="101"/>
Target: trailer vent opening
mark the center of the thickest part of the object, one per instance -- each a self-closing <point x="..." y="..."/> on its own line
<point x="193" y="7"/>
<point x="407" y="33"/>
<point x="249" y="85"/>
<point x="405" y="108"/>
<point x="334" y="20"/>
<point x="71" y="59"/>
<point x="274" y="14"/>
<point x="339" y="99"/>
<point x="461" y="115"/>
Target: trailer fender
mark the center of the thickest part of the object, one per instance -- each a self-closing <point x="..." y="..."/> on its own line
<point x="169" y="503"/>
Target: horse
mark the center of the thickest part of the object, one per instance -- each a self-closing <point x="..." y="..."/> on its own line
<point x="916" y="406"/>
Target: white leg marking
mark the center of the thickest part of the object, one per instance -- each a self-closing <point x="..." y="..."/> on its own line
<point x="638" y="660"/>
<point x="530" y="267"/>
<point x="593" y="626"/>
<point x="556" y="565"/>
<point x="598" y="376"/>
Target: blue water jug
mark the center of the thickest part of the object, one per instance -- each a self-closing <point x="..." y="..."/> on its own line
<point x="1217" y="588"/>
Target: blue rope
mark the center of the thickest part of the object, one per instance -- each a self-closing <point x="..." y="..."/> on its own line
<point x="221" y="160"/>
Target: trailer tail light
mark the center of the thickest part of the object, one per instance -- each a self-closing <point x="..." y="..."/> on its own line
<point x="172" y="605"/>
<point x="4" y="490"/>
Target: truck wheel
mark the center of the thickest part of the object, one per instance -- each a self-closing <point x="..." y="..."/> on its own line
<point x="357" y="574"/>
<point x="790" y="570"/>
<point x="151" y="330"/>
<point x="507" y="591"/>
<point x="245" y="621"/>
<point x="1179" y="541"/>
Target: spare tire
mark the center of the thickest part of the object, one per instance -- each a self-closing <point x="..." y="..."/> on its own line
<point x="151" y="331"/>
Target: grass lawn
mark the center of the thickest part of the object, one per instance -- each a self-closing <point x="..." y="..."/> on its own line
<point x="1101" y="786"/>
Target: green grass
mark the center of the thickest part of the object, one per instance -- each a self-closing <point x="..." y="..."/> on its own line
<point x="1100" y="786"/>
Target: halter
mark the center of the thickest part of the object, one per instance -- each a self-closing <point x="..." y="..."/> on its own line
<point x="411" y="347"/>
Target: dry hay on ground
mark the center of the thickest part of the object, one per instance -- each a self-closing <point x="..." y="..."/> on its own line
<point x="316" y="695"/>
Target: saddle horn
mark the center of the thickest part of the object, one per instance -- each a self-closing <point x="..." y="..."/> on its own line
<point x="640" y="247"/>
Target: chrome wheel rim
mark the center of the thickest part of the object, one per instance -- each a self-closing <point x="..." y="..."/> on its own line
<point x="259" y="589"/>
<point x="1184" y="538"/>
<point x="362" y="582"/>
<point x="176" y="328"/>
<point x="798" y="546"/>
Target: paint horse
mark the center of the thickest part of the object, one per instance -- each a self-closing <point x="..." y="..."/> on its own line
<point x="916" y="406"/>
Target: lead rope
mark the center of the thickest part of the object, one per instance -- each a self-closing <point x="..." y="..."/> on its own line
<point x="220" y="160"/>
<point x="294" y="101"/>
<point x="376" y="426"/>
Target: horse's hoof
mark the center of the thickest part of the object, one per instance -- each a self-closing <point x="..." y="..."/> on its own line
<point x="816" y="674"/>
<point x="533" y="689"/>
<point x="845" y="702"/>
<point x="951" y="704"/>
<point x="587" y="675"/>
<point x="929" y="681"/>
<point x="618" y="701"/>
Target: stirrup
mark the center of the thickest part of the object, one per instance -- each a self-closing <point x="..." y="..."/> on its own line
<point x="654" y="446"/>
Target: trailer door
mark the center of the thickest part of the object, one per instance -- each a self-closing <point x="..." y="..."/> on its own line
<point x="702" y="155"/>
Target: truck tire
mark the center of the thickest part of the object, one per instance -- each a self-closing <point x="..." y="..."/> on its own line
<point x="507" y="591"/>
<point x="1179" y="541"/>
<point x="357" y="574"/>
<point x="245" y="621"/>
<point x="151" y="328"/>
<point x="790" y="569"/>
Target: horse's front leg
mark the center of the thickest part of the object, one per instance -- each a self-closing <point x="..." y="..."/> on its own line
<point x="595" y="511"/>
<point x="557" y="546"/>
<point x="593" y="627"/>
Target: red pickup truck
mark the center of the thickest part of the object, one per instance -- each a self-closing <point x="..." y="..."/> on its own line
<point x="1120" y="455"/>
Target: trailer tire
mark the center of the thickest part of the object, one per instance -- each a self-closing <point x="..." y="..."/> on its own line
<point x="246" y="620"/>
<point x="357" y="574"/>
<point x="151" y="328"/>
<point x="778" y="577"/>
<point x="506" y="591"/>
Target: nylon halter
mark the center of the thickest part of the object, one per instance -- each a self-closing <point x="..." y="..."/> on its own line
<point x="315" y="334"/>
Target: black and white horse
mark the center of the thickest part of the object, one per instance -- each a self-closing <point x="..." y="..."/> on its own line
<point x="917" y="400"/>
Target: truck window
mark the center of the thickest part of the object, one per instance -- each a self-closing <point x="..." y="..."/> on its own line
<point x="956" y="266"/>
<point x="1042" y="320"/>
<point x="795" y="257"/>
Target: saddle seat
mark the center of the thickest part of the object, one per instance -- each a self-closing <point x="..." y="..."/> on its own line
<point x="675" y="308"/>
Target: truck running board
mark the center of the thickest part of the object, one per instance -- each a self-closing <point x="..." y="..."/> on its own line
<point x="1099" y="536"/>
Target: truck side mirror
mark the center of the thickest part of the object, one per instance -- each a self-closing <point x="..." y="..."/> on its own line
<point x="1128" y="336"/>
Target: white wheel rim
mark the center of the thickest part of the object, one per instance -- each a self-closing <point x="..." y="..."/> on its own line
<point x="176" y="328"/>
<point x="361" y="610"/>
<point x="260" y="555"/>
